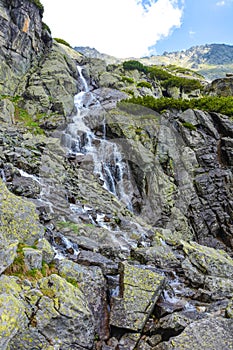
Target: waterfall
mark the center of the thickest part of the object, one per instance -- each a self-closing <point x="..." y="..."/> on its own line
<point x="108" y="163"/>
<point x="2" y="175"/>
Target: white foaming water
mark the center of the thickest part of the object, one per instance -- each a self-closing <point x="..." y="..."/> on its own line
<point x="25" y="174"/>
<point x="3" y="176"/>
<point x="106" y="156"/>
<point x="84" y="82"/>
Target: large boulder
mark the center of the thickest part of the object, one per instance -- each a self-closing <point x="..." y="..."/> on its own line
<point x="58" y="316"/>
<point x="12" y="318"/>
<point x="221" y="87"/>
<point x="205" y="334"/>
<point x="210" y="268"/>
<point x="93" y="285"/>
<point x="139" y="291"/>
<point x="19" y="219"/>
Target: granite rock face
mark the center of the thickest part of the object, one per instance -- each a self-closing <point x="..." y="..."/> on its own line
<point x="23" y="41"/>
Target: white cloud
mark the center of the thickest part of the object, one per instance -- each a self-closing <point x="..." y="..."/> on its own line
<point x="221" y="3"/>
<point x="121" y="28"/>
<point x="192" y="33"/>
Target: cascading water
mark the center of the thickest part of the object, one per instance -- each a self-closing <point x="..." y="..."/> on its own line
<point x="106" y="156"/>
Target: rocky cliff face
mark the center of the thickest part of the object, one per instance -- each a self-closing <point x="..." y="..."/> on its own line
<point x="116" y="221"/>
<point x="23" y="41"/>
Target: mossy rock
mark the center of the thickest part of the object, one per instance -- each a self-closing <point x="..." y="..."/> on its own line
<point x="19" y="219"/>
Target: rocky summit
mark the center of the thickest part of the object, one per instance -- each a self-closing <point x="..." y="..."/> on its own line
<point x="116" y="206"/>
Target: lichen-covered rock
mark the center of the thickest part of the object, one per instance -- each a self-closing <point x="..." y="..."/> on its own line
<point x="221" y="87"/>
<point x="77" y="321"/>
<point x="93" y="285"/>
<point x="58" y="316"/>
<point x="12" y="318"/>
<point x="32" y="258"/>
<point x="7" y="111"/>
<point x="129" y="341"/>
<point x="7" y="254"/>
<point x="160" y="255"/>
<point x="209" y="267"/>
<point x="205" y="334"/>
<point x="139" y="291"/>
<point x="47" y="250"/>
<point x="52" y="87"/>
<point x="9" y="285"/>
<point x="229" y="309"/>
<point x="18" y="217"/>
<point x="208" y="260"/>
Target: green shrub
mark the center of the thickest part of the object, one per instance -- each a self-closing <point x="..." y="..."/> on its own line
<point x="187" y="85"/>
<point x="189" y="126"/>
<point x="144" y="84"/>
<point x="62" y="41"/>
<point x="46" y="27"/>
<point x="132" y="64"/>
<point x="127" y="79"/>
<point x="223" y="105"/>
<point x="158" y="73"/>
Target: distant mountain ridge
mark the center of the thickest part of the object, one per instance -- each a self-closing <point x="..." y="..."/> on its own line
<point x="215" y="54"/>
<point x="211" y="60"/>
<point x="93" y="53"/>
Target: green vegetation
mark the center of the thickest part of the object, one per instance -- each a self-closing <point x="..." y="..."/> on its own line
<point x="182" y="70"/>
<point x="70" y="225"/>
<point x="145" y="84"/>
<point x="22" y="116"/>
<point x="223" y="105"/>
<point x="19" y="269"/>
<point x="167" y="79"/>
<point x="127" y="79"/>
<point x="187" y="85"/>
<point x="32" y="125"/>
<point x="72" y="281"/>
<point x="46" y="27"/>
<point x="170" y="80"/>
<point x="189" y="126"/>
<point x="132" y="64"/>
<point x="62" y="41"/>
<point x="158" y="73"/>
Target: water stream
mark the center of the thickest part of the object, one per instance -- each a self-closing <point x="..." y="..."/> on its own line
<point x="107" y="159"/>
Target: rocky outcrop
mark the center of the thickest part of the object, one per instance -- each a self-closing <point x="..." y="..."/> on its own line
<point x="50" y="89"/>
<point x="220" y="87"/>
<point x="23" y="40"/>
<point x="178" y="165"/>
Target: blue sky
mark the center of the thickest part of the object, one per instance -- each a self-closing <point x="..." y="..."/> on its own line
<point x="203" y="22"/>
<point x="135" y="28"/>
